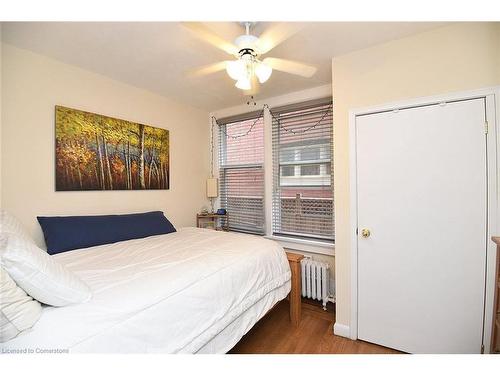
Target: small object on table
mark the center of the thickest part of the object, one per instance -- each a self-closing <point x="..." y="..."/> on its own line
<point x="213" y="221"/>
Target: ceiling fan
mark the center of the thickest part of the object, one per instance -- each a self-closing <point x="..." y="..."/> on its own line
<point x="247" y="68"/>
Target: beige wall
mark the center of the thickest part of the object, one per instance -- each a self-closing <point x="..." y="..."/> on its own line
<point x="452" y="58"/>
<point x="32" y="85"/>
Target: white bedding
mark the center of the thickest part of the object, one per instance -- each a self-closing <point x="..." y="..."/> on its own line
<point x="184" y="292"/>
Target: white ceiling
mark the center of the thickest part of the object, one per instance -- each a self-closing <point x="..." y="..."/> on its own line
<point x="156" y="55"/>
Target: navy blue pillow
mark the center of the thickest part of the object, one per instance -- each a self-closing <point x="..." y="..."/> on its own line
<point x="63" y="233"/>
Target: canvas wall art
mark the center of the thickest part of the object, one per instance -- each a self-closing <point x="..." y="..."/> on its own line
<point x="95" y="152"/>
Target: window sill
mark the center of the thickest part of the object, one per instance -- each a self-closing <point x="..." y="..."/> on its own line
<point x="310" y="246"/>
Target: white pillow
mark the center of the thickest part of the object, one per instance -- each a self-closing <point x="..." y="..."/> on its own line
<point x="18" y="311"/>
<point x="39" y="274"/>
<point x="9" y="224"/>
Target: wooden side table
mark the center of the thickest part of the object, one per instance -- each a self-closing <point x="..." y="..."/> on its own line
<point x="295" y="300"/>
<point x="213" y="221"/>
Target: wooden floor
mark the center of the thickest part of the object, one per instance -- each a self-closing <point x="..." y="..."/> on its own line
<point x="274" y="334"/>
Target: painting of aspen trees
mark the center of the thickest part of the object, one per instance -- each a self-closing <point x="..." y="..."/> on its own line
<point x="95" y="152"/>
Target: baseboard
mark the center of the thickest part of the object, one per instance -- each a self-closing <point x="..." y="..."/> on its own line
<point x="341" y="330"/>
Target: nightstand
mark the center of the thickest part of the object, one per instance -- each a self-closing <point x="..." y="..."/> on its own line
<point x="213" y="221"/>
<point x="295" y="292"/>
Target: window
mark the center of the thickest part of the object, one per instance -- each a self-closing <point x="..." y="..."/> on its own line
<point x="295" y="198"/>
<point x="310" y="170"/>
<point x="287" y="170"/>
<point x="303" y="200"/>
<point x="241" y="159"/>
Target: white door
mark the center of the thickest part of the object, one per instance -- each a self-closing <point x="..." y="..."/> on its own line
<point x="422" y="194"/>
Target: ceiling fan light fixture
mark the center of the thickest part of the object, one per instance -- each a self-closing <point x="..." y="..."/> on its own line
<point x="244" y="84"/>
<point x="236" y="69"/>
<point x="263" y="72"/>
<point x="247" y="68"/>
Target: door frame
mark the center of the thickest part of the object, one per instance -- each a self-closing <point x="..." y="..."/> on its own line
<point x="492" y="96"/>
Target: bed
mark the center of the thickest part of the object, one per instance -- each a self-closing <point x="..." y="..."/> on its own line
<point x="192" y="291"/>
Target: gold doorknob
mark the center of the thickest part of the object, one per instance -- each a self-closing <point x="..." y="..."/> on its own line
<point x="365" y="233"/>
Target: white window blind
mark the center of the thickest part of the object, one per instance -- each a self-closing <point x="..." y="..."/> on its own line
<point x="302" y="176"/>
<point x="241" y="159"/>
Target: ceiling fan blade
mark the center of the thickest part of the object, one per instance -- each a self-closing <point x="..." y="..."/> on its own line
<point x="207" y="69"/>
<point x="204" y="33"/>
<point x="292" y="67"/>
<point x="276" y="34"/>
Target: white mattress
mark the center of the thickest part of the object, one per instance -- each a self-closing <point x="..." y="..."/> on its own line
<point x="196" y="290"/>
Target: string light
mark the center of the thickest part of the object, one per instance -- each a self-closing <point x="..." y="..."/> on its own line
<point x="240" y="135"/>
<point x="328" y="110"/>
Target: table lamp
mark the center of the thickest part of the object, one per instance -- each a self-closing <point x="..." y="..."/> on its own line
<point x="212" y="190"/>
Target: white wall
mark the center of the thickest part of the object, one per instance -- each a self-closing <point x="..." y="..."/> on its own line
<point x="276" y="101"/>
<point x="290" y="98"/>
<point x="452" y="58"/>
<point x="33" y="84"/>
